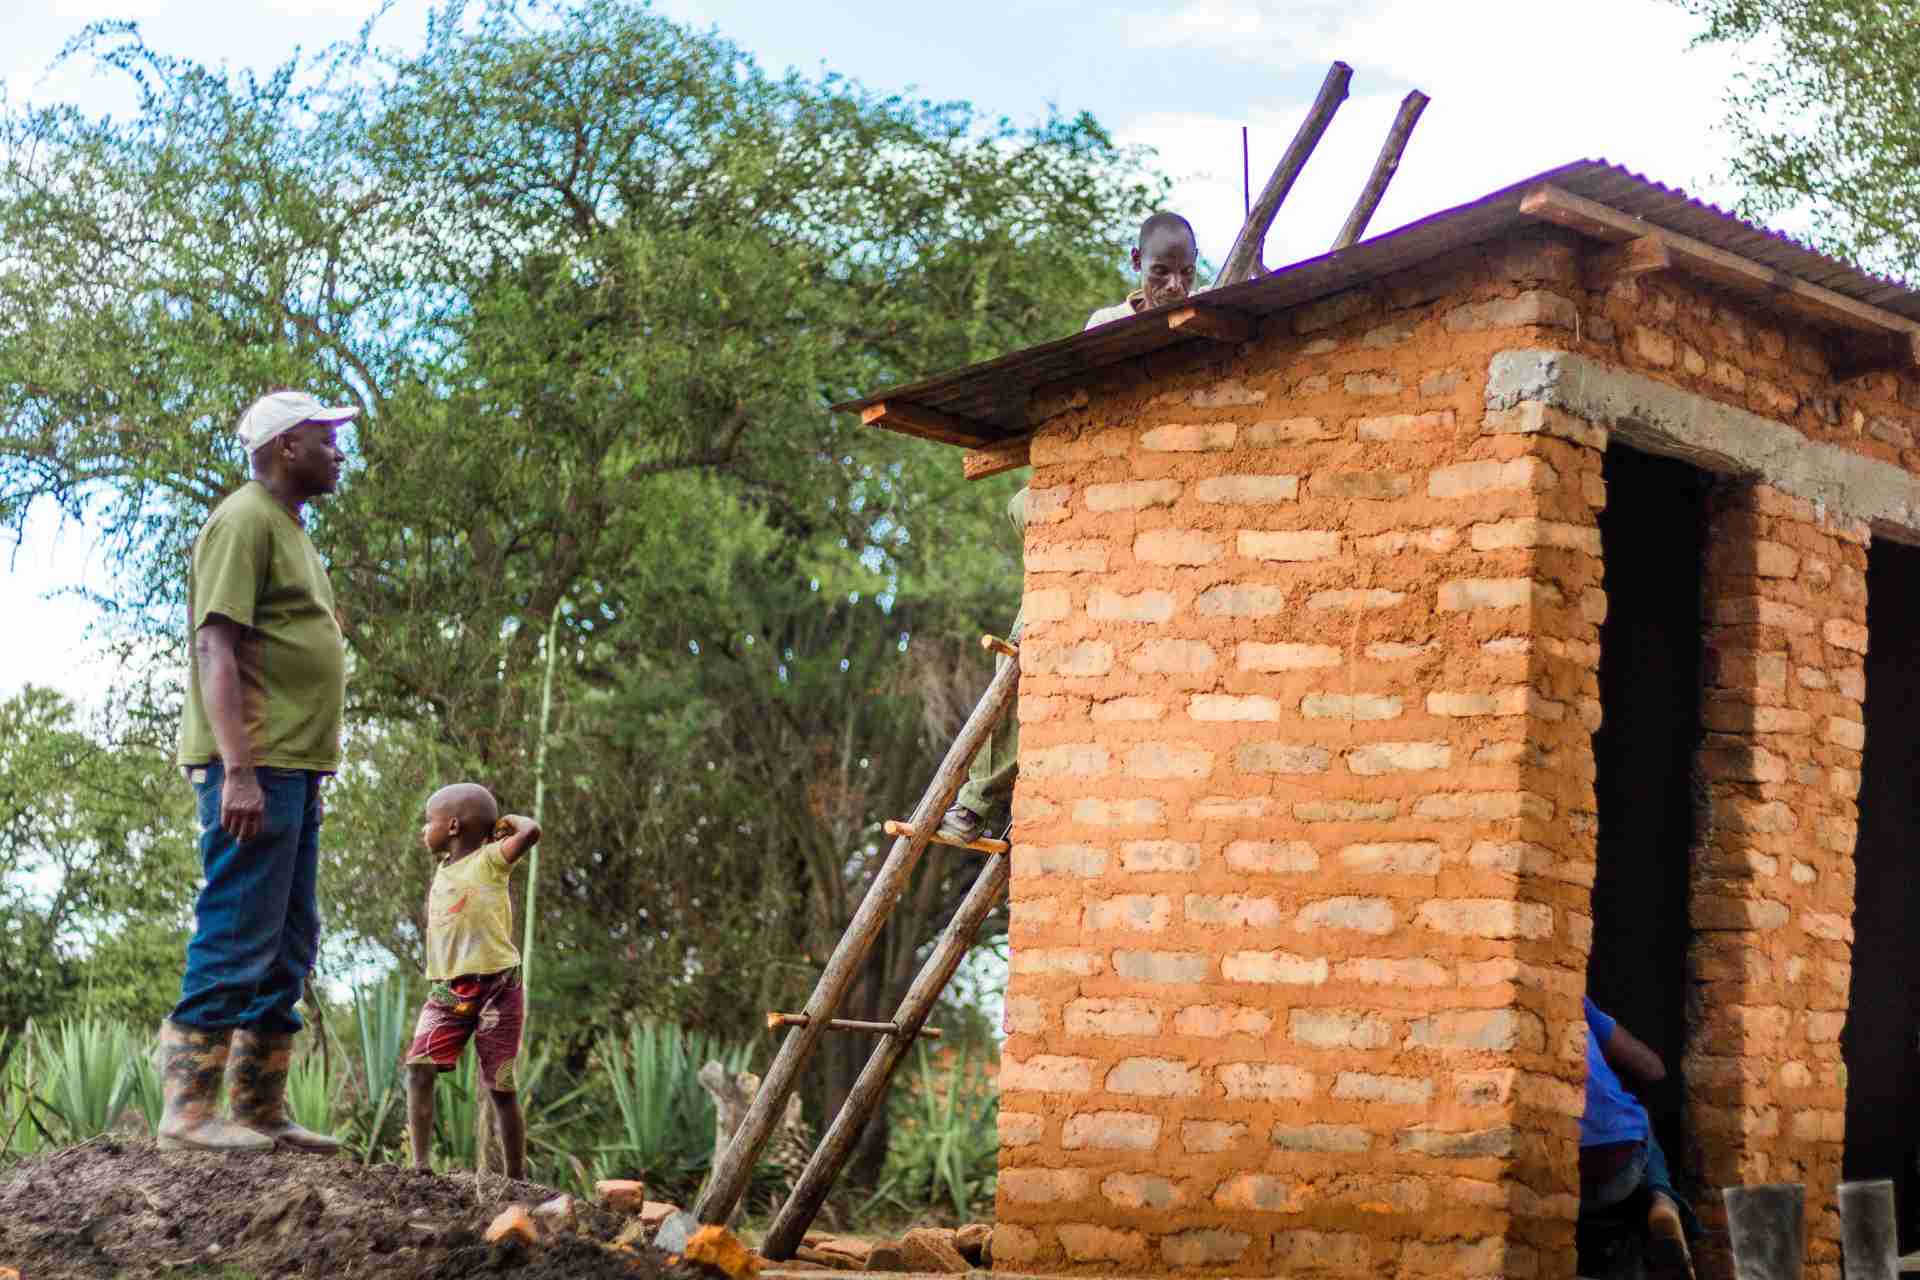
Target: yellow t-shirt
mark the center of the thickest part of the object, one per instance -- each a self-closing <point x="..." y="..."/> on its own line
<point x="470" y="916"/>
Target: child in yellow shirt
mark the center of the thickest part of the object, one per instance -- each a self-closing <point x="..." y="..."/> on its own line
<point x="472" y="964"/>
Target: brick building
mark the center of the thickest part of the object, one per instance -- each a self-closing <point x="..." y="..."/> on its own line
<point x="1416" y="638"/>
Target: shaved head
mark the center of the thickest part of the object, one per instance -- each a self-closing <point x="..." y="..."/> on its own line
<point x="470" y="802"/>
<point x="1167" y="220"/>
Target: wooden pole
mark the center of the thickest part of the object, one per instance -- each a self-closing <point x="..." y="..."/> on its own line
<point x="869" y="1092"/>
<point x="735" y="1168"/>
<point x="1243" y="261"/>
<point x="984" y="845"/>
<point x="778" y="1020"/>
<point x="1384" y="168"/>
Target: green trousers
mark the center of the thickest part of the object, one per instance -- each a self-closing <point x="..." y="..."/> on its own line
<point x="988" y="790"/>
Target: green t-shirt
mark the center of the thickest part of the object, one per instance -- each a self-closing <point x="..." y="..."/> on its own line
<point x="254" y="564"/>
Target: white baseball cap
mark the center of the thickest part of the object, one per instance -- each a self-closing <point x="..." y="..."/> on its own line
<point x="279" y="412"/>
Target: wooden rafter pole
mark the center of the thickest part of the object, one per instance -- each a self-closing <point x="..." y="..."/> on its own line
<point x="735" y="1167"/>
<point x="1384" y="168"/>
<point x="1243" y="260"/>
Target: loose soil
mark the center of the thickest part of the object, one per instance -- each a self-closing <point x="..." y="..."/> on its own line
<point x="113" y="1208"/>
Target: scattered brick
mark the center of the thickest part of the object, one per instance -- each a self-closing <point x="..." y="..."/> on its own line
<point x="621" y="1195"/>
<point x="512" y="1225"/>
<point x="717" y="1247"/>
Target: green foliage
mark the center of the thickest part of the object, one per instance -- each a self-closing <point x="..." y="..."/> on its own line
<point x="383" y="1018"/>
<point x="945" y="1147"/>
<point x="455" y="1095"/>
<point x="311" y="1089"/>
<point x="666" y="1119"/>
<point x="1826" y="119"/>
<point x="595" y="279"/>
<point x="86" y="1072"/>
<point x="96" y="861"/>
<point x="29" y="1124"/>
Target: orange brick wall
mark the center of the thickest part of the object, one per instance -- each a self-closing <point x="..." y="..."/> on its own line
<point x="1298" y="916"/>
<point x="1772" y="900"/>
<point x="1784" y="619"/>
<point x="1305" y="823"/>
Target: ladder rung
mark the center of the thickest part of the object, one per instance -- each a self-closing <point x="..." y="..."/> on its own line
<point x="777" y="1020"/>
<point x="897" y="829"/>
<point x="1004" y="647"/>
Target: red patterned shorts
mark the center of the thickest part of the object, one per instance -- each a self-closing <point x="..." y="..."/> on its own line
<point x="487" y="1009"/>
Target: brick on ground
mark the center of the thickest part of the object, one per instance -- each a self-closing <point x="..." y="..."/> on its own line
<point x="720" y="1249"/>
<point x="622" y="1195"/>
<point x="932" y="1249"/>
<point x="514" y="1224"/>
<point x="975" y="1243"/>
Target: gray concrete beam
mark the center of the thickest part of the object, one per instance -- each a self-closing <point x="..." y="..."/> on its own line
<point x="1659" y="418"/>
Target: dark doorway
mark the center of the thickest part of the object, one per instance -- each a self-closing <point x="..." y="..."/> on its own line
<point x="1652" y="536"/>
<point x="1883" y="1009"/>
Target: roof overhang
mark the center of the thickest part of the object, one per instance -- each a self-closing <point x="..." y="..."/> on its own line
<point x="1636" y="226"/>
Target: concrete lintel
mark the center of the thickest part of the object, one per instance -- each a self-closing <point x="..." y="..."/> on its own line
<point x="1659" y="418"/>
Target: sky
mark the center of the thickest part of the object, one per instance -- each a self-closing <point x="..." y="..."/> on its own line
<point x="1517" y="87"/>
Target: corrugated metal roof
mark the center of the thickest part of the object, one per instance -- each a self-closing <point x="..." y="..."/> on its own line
<point x="994" y="393"/>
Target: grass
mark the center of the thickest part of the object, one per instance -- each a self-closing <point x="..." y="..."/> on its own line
<point x="382" y="1016"/>
<point x="74" y="1081"/>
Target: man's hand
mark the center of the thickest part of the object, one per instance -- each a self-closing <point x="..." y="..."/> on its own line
<point x="243" y="805"/>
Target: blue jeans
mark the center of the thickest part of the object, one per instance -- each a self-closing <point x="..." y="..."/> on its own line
<point x="257" y="923"/>
<point x="1646" y="1167"/>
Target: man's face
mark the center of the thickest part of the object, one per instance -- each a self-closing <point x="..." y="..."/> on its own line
<point x="311" y="452"/>
<point x="1166" y="263"/>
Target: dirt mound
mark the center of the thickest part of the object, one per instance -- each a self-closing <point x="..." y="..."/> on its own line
<point x="111" y="1209"/>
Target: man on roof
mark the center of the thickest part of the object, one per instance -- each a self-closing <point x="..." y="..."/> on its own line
<point x="1166" y="257"/>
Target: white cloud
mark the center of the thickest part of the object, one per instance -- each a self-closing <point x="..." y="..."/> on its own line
<point x="1246" y="29"/>
<point x="1508" y="101"/>
<point x="53" y="649"/>
<point x="104" y="10"/>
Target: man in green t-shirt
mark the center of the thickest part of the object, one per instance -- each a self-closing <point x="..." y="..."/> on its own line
<point x="266" y="683"/>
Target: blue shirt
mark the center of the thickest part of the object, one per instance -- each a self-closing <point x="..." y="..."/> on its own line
<point x="1612" y="1114"/>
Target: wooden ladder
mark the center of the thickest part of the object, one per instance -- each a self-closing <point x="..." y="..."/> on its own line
<point x="734" y="1169"/>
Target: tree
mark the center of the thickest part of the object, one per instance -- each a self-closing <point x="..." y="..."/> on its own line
<point x="594" y="278"/>
<point x="97" y="867"/>
<point x="1829" y="120"/>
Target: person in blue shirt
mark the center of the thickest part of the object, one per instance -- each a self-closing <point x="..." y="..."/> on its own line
<point x="1619" y="1154"/>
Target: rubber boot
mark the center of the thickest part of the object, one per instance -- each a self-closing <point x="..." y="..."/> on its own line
<point x="258" y="1090"/>
<point x="1768" y="1228"/>
<point x="1867" y="1232"/>
<point x="191" y="1063"/>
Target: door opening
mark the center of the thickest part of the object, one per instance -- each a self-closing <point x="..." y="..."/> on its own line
<point x="1652" y="536"/>
<point x="1879" y="1044"/>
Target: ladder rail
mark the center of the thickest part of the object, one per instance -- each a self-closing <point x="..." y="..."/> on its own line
<point x="869" y="1091"/>
<point x="732" y="1172"/>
